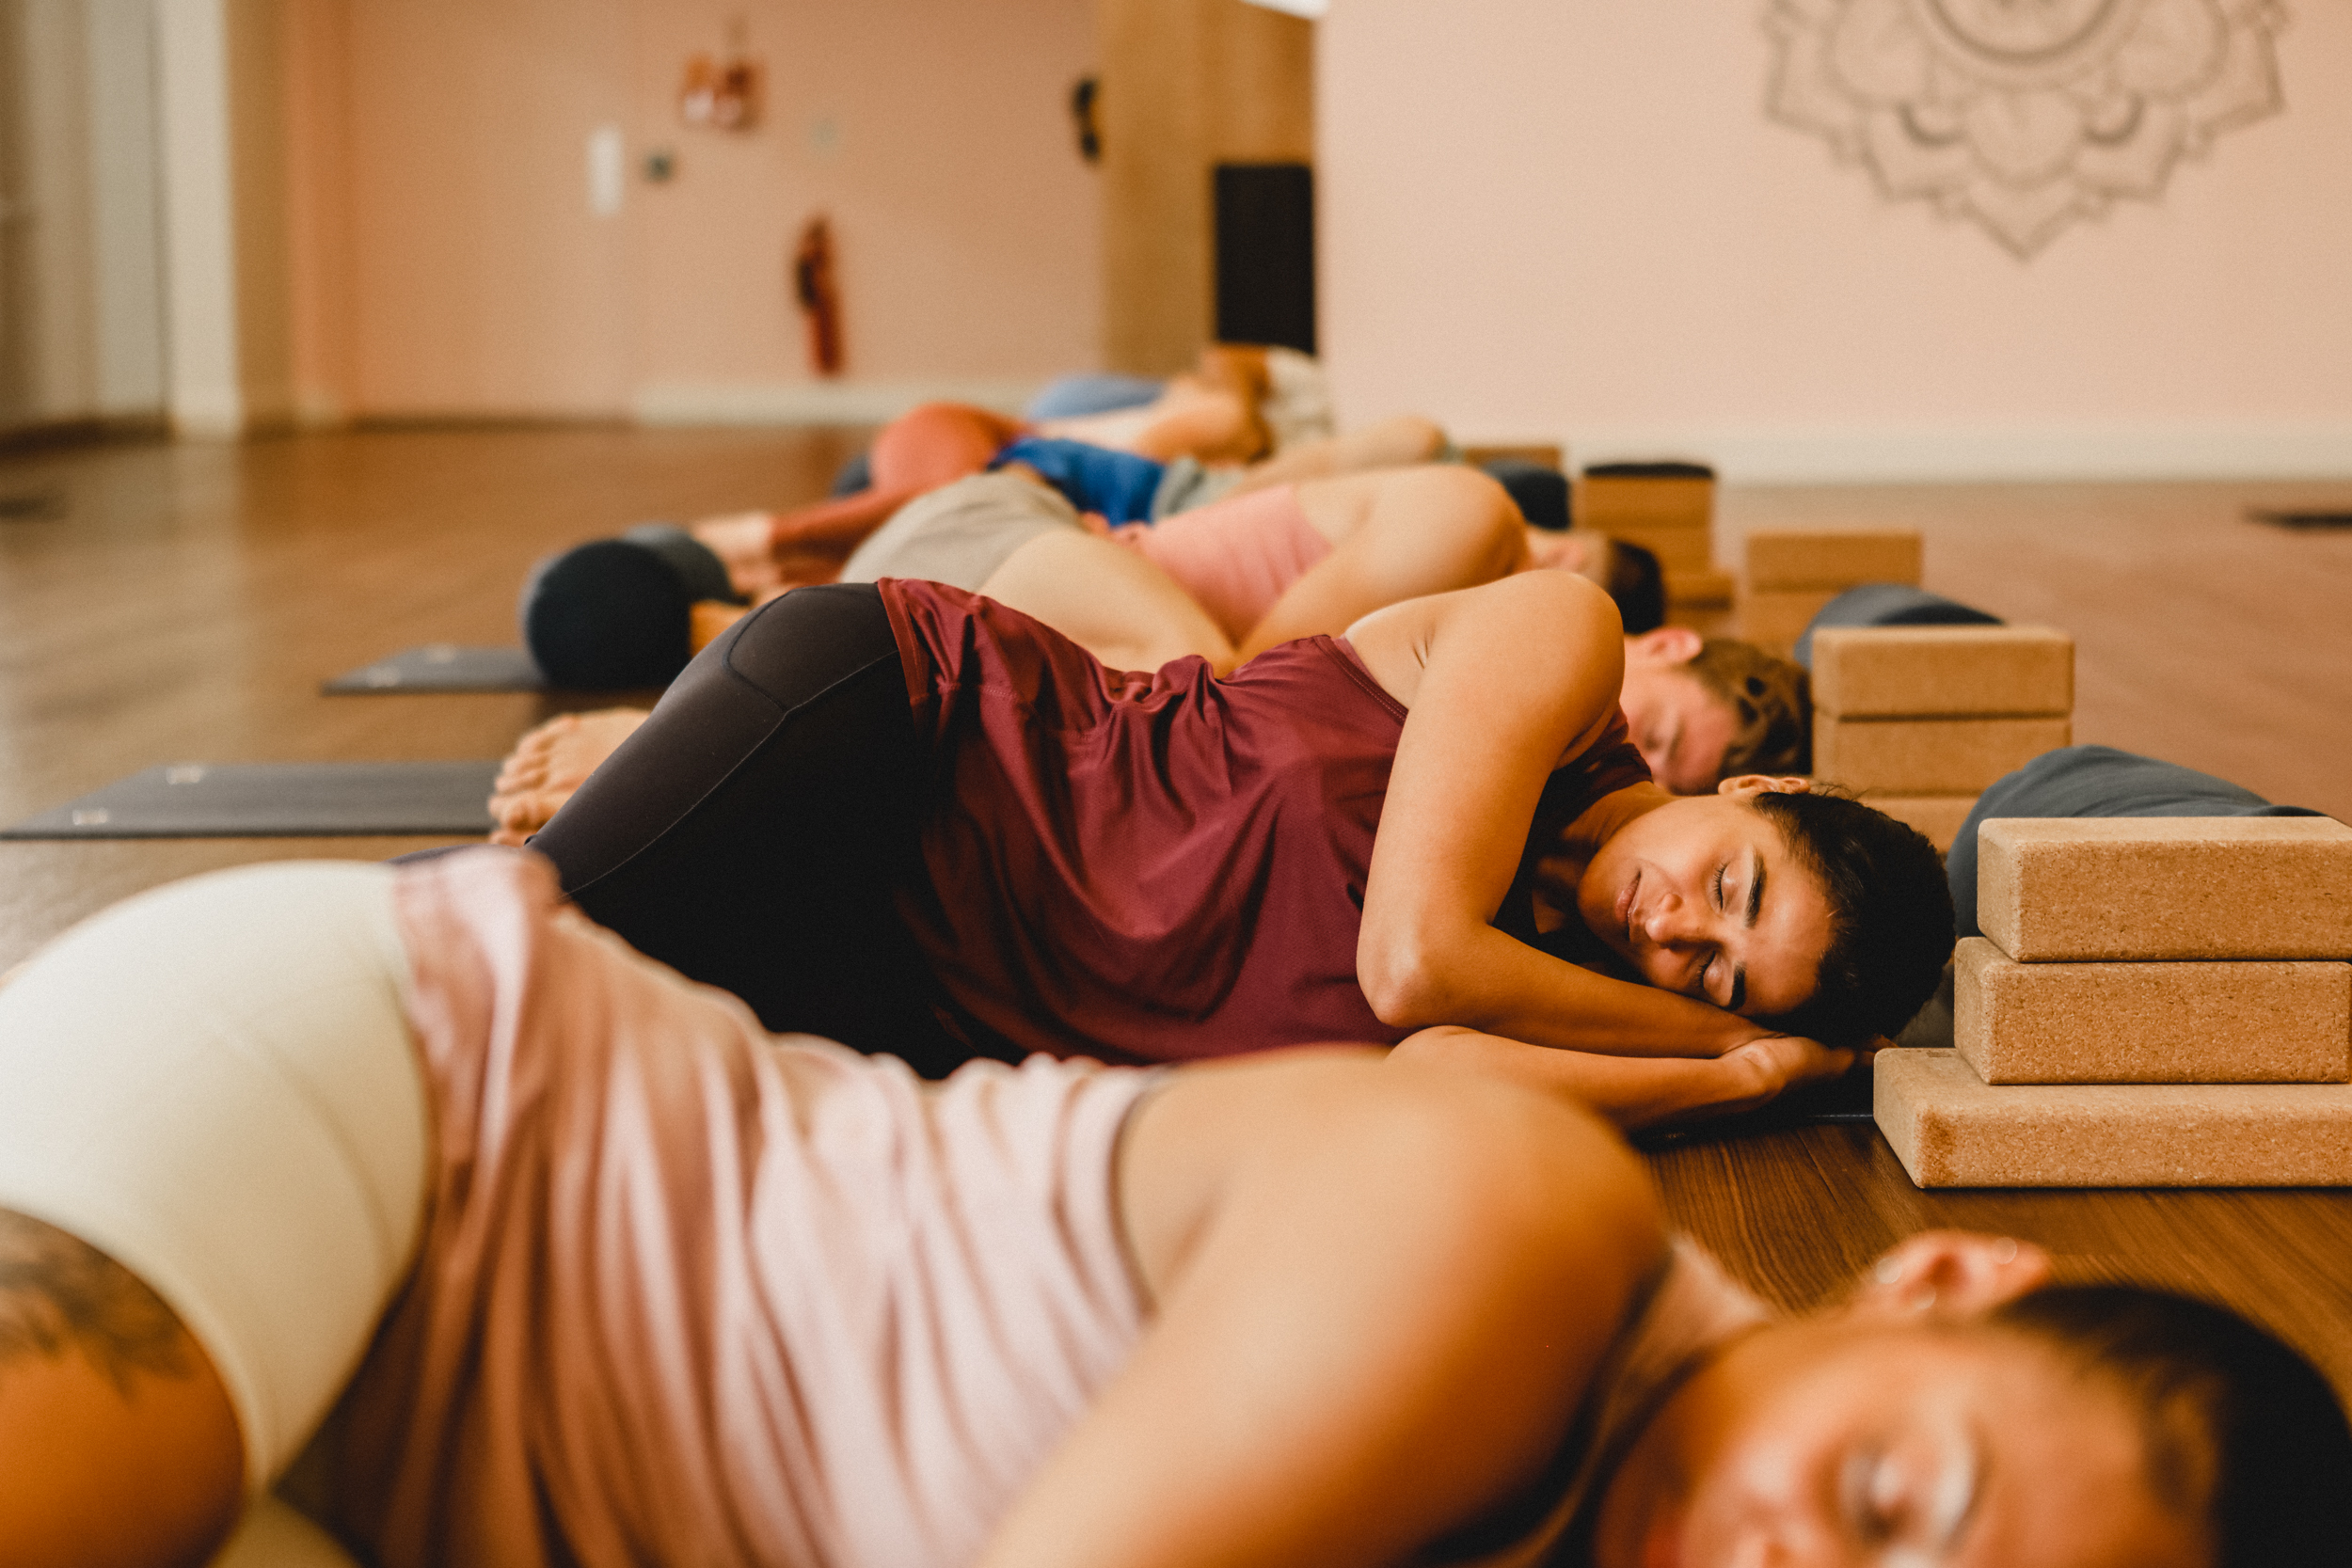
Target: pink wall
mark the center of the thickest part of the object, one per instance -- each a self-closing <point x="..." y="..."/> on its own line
<point x="1572" y="219"/>
<point x="933" y="131"/>
<point x="482" y="283"/>
<point x="319" y="209"/>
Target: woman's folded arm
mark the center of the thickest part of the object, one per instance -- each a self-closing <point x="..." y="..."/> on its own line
<point x="1635" y="1091"/>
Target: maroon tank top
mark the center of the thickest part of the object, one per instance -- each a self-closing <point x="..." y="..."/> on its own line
<point x="1153" y="867"/>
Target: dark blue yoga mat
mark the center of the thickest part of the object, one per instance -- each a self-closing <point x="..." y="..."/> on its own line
<point x="440" y="666"/>
<point x="278" y="799"/>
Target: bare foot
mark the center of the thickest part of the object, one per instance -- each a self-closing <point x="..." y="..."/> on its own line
<point x="744" y="542"/>
<point x="550" y="762"/>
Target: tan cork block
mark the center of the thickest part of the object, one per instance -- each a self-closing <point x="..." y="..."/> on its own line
<point x="1700" y="586"/>
<point x="1929" y="756"/>
<point x="1936" y="816"/>
<point x="1800" y="558"/>
<point x="1614" y="503"/>
<point x="1679" y="550"/>
<point x="1707" y="620"/>
<point x="1950" y="1129"/>
<point x="2091" y="888"/>
<point x="2225" y="1021"/>
<point x="1909" y="672"/>
<point x="1775" y="618"/>
<point x="1544" y="455"/>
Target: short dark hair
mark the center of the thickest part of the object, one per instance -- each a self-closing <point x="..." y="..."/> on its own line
<point x="2228" y="1415"/>
<point x="1638" y="583"/>
<point x="1771" y="702"/>
<point x="1890" y="916"/>
<point x="608" y="615"/>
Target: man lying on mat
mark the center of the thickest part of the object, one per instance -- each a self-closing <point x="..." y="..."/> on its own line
<point x="912" y="819"/>
<point x="541" y="1255"/>
<point x="756" y="553"/>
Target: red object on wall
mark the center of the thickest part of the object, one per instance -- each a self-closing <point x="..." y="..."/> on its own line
<point x="821" y="301"/>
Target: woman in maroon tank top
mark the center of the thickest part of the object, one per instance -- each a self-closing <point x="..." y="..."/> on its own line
<point x="915" y="820"/>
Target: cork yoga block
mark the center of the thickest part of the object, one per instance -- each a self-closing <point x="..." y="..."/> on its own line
<point x="2227" y="1022"/>
<point x="2089" y="888"/>
<point x="1950" y="1129"/>
<point x="1698" y="586"/>
<point x="1614" y="502"/>
<point x="1912" y="672"/>
<point x="1793" y="558"/>
<point x="1929" y="756"/>
<point x="1777" y="617"/>
<point x="1679" y="550"/>
<point x="1937" y="817"/>
<point x="1544" y="455"/>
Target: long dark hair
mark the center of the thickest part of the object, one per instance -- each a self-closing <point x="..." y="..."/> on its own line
<point x="2225" y="1409"/>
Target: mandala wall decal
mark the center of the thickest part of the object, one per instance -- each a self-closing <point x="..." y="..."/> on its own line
<point x="2023" y="115"/>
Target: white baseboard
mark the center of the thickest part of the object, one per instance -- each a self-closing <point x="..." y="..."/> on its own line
<point x="206" y="413"/>
<point x="816" y="403"/>
<point x="2284" y="451"/>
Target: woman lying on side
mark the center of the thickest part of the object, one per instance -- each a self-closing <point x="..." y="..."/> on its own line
<point x="591" y="1270"/>
<point x="911" y="820"/>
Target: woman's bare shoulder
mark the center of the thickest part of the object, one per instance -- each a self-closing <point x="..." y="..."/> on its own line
<point x="1545" y="619"/>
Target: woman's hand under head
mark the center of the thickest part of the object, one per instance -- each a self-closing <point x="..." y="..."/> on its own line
<point x="1703" y="895"/>
<point x="1898" y="1431"/>
<point x="1636" y="1092"/>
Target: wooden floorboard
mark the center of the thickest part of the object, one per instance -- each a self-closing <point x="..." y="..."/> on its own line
<point x="163" y="603"/>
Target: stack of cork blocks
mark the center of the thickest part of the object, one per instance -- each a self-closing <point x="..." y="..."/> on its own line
<point x="1668" y="508"/>
<point x="1791" y="574"/>
<point x="1918" y="720"/>
<point x="2157" y="1002"/>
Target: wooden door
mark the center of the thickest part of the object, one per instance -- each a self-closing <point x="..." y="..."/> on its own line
<point x="1185" y="85"/>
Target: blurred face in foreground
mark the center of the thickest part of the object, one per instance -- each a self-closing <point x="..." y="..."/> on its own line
<point x="1902" y="1431"/>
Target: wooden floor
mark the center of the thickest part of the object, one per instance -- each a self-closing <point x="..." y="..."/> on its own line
<point x="170" y="603"/>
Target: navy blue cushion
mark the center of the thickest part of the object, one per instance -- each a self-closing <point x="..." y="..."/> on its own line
<point x="607" y="615"/>
<point x="1541" y="493"/>
<point x="1890" y="604"/>
<point x="2094" y="781"/>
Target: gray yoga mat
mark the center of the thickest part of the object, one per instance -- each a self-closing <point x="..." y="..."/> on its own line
<point x="277" y="799"/>
<point x="440" y="666"/>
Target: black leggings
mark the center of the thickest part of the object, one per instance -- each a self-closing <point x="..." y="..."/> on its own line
<point x="752" y="833"/>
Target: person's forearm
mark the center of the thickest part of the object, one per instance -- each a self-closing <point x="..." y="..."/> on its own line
<point x="1485" y="980"/>
<point x="831" y="528"/>
<point x="1632" y="1091"/>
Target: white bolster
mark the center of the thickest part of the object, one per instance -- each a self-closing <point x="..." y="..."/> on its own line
<point x="215" y="1085"/>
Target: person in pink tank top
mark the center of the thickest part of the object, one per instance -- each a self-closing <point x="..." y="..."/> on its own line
<point x="403" y="1216"/>
<point x="914" y="820"/>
